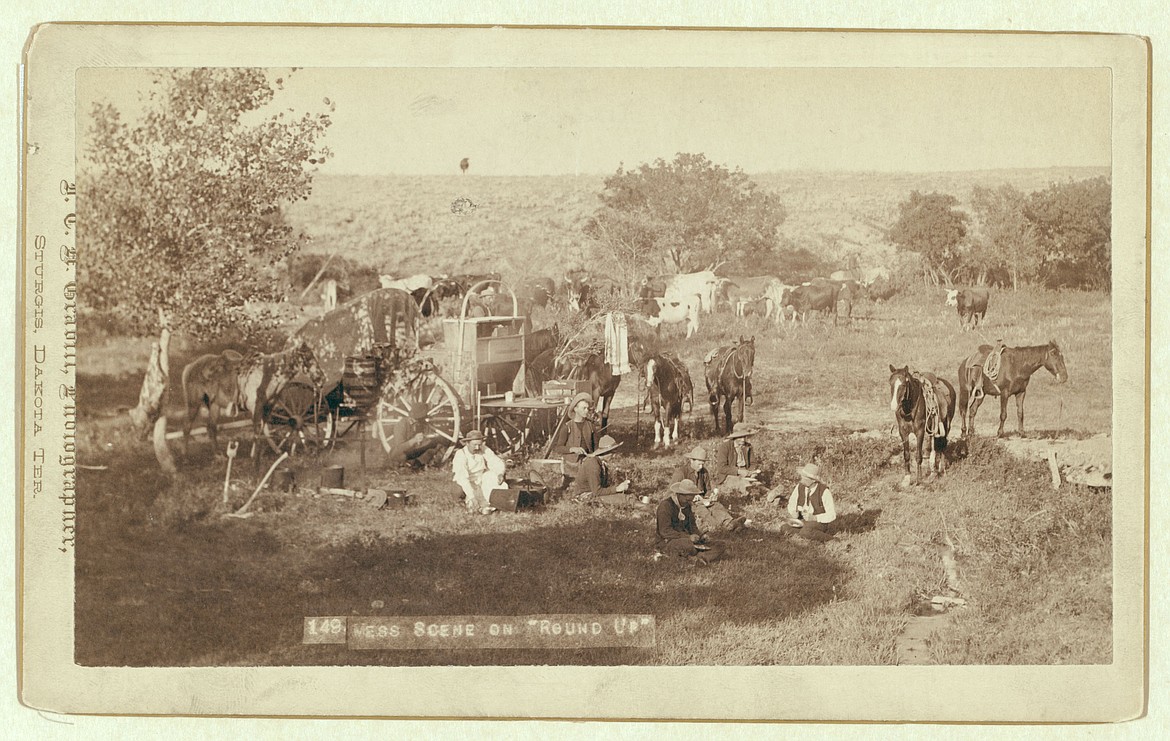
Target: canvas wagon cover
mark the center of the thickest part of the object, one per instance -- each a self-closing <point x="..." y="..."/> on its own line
<point x="384" y="316"/>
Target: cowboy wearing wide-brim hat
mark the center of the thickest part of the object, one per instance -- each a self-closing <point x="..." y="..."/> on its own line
<point x="477" y="471"/>
<point x="811" y="510"/>
<point x="711" y="514"/>
<point x="576" y="434"/>
<point x="676" y="533"/>
<point x="731" y="469"/>
<point x="593" y="477"/>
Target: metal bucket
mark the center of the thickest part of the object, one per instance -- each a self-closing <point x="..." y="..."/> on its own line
<point x="333" y="477"/>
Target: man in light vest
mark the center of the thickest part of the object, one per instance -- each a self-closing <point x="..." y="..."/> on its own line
<point x="811" y="510"/>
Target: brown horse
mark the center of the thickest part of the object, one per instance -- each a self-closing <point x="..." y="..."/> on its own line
<point x="603" y="383"/>
<point x="210" y="381"/>
<point x="1016" y="366"/>
<point x="728" y="372"/>
<point x="923" y="405"/>
<point x="668" y="385"/>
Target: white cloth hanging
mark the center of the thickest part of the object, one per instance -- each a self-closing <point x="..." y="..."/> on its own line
<point x="617" y="343"/>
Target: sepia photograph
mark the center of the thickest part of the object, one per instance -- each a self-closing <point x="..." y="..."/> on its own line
<point x="508" y="363"/>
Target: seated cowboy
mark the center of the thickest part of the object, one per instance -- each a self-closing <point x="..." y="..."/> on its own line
<point x="811" y="509"/>
<point x="676" y="533"/>
<point x="576" y="434"/>
<point x="478" y="471"/>
<point x="731" y="470"/>
<point x="709" y="511"/>
<point x="592" y="483"/>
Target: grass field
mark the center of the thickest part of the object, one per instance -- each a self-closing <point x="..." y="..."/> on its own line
<point x="164" y="579"/>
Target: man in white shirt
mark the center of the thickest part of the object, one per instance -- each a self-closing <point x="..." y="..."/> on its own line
<point x="811" y="506"/>
<point x="477" y="471"/>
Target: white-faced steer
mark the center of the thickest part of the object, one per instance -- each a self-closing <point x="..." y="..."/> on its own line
<point x="971" y="303"/>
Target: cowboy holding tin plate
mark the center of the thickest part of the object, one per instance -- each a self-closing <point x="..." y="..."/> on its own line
<point x="811" y="511"/>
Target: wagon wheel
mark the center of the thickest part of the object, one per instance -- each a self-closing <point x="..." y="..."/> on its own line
<point x="505" y="433"/>
<point x="299" y="419"/>
<point x="421" y="415"/>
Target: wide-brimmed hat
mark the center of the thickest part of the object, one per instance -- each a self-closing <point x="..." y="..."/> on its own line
<point x="605" y="445"/>
<point x="582" y="396"/>
<point x="812" y="471"/>
<point x="473" y="435"/>
<point x="746" y="432"/>
<point x="686" y="486"/>
<point x="698" y="454"/>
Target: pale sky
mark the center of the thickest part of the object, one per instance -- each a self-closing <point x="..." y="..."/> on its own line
<point x="528" y="121"/>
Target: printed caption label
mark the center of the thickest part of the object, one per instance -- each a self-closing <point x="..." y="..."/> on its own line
<point x="480" y="631"/>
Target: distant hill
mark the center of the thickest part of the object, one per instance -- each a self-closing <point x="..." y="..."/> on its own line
<point x="532" y="225"/>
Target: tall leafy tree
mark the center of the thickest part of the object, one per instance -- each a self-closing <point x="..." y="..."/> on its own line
<point x="180" y="206"/>
<point x="688" y="214"/>
<point x="1073" y="222"/>
<point x="1007" y="238"/>
<point x="933" y="226"/>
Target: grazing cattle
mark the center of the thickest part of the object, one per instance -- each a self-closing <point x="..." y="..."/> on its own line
<point x="728" y="372"/>
<point x="603" y="383"/>
<point x="923" y="406"/>
<point x="839" y="276"/>
<point x="848" y="293"/>
<point x="409" y="284"/>
<point x="1016" y="366"/>
<point x="739" y="291"/>
<point x="535" y="291"/>
<point x="869" y="276"/>
<point x="464" y="164"/>
<point x="676" y="311"/>
<point x="329" y="294"/>
<point x="757" y="307"/>
<point x="668" y="385"/>
<point x="971" y="303"/>
<point x="579" y="292"/>
<point x="701" y="284"/>
<point x="210" y="381"/>
<point x="815" y="296"/>
<point x="881" y="289"/>
<point x="779" y="296"/>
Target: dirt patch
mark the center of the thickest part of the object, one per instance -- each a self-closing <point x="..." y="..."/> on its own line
<point x="1088" y="461"/>
<point x="913" y="645"/>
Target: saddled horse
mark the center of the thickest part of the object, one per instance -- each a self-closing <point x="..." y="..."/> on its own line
<point x="1016" y="366"/>
<point x="260" y="378"/>
<point x="923" y="406"/>
<point x="210" y="381"/>
<point x="603" y="383"/>
<point x="728" y="372"/>
<point x="668" y="385"/>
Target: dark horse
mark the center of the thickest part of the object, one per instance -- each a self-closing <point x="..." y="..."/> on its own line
<point x="668" y="384"/>
<point x="603" y="383"/>
<point x="540" y="353"/>
<point x="1016" y="366"/>
<point x="918" y="416"/>
<point x="728" y="372"/>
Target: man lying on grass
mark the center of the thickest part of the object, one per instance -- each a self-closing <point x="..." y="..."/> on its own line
<point x="709" y="511"/>
<point x="592" y="482"/>
<point x="677" y="534"/>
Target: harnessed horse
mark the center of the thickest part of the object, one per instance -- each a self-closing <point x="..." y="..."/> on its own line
<point x="923" y="405"/>
<point x="1016" y="366"/>
<point x="728" y="372"/>
<point x="210" y="381"/>
<point x="668" y="384"/>
<point x="259" y="378"/>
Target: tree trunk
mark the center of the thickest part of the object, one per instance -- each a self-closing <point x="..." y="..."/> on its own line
<point x="149" y="411"/>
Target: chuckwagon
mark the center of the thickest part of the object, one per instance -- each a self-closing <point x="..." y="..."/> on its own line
<point x="484" y="355"/>
<point x="417" y="400"/>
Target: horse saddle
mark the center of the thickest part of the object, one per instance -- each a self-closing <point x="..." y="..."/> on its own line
<point x="992" y="363"/>
<point x="709" y="356"/>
